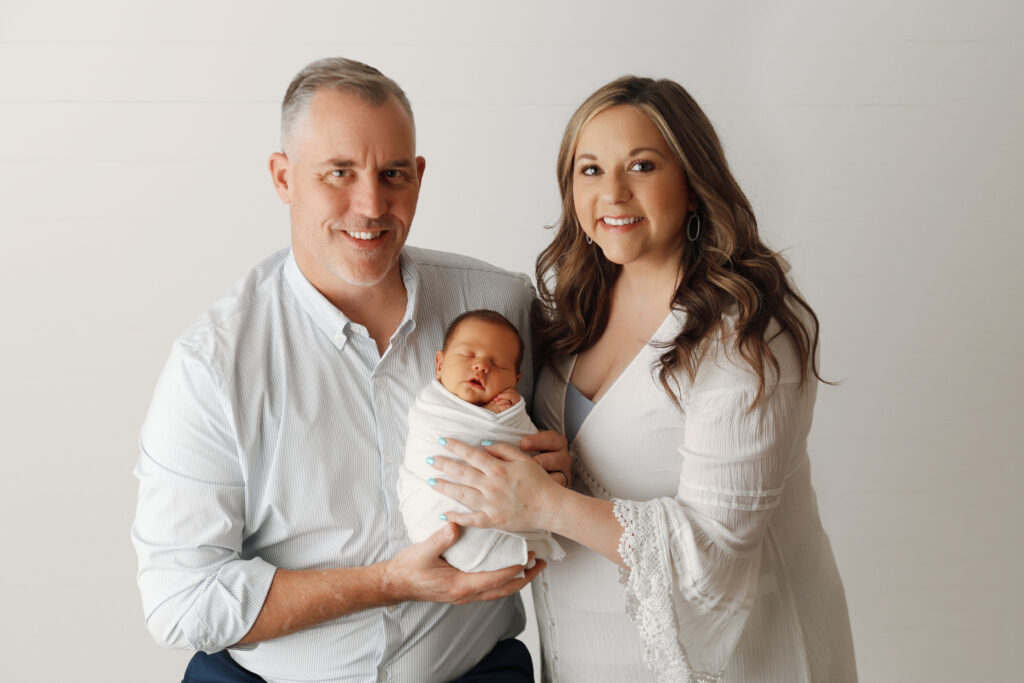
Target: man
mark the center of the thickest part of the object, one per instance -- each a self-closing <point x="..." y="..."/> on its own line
<point x="268" y="520"/>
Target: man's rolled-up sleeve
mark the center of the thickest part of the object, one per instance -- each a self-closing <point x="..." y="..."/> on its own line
<point x="197" y="590"/>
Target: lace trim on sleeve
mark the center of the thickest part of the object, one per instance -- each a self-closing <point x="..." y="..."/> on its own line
<point x="649" y="590"/>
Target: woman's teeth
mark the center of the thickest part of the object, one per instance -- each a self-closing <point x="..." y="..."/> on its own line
<point x="364" y="235"/>
<point x="622" y="221"/>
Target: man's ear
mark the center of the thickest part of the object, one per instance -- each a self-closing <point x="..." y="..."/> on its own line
<point x="421" y="165"/>
<point x="281" y="174"/>
<point x="438" y="362"/>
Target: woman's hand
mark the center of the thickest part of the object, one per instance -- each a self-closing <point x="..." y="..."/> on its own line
<point x="505" y="487"/>
<point x="551" y="451"/>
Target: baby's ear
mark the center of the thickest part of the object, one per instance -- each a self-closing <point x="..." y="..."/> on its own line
<point x="439" y="361"/>
<point x="519" y="376"/>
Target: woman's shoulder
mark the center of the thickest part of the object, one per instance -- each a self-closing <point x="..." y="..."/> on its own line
<point x="722" y="364"/>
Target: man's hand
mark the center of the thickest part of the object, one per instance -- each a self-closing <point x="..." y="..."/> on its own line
<point x="418" y="572"/>
<point x="550" y="450"/>
<point x="503" y="401"/>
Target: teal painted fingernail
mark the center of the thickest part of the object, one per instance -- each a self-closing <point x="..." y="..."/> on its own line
<point x="485" y="442"/>
<point x="430" y="460"/>
<point x="443" y="441"/>
<point x="444" y="517"/>
<point x="432" y="482"/>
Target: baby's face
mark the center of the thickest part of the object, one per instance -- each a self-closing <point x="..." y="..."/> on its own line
<point x="480" y="361"/>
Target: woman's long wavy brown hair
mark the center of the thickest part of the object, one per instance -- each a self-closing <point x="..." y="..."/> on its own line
<point x="728" y="265"/>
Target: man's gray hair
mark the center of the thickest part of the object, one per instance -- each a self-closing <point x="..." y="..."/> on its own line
<point x="338" y="74"/>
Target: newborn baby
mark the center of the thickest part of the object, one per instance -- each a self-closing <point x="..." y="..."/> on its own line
<point x="472" y="398"/>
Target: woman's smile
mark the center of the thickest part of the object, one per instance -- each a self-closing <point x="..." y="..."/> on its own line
<point x="622" y="220"/>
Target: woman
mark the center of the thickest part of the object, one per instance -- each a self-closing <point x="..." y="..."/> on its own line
<point x="682" y="369"/>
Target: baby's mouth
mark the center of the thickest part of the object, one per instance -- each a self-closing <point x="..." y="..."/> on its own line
<point x="477" y="382"/>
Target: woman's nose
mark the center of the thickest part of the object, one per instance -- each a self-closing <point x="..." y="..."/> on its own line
<point x="615" y="189"/>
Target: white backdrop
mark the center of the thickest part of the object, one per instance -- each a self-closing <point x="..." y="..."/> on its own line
<point x="878" y="140"/>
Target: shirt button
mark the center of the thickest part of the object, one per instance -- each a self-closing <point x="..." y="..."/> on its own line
<point x="379" y="381"/>
<point x="389" y="458"/>
<point x="392" y="608"/>
<point x="382" y="675"/>
<point x="337" y="338"/>
<point x="397" y="534"/>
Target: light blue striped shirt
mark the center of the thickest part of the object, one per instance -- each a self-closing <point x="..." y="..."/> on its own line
<point x="273" y="440"/>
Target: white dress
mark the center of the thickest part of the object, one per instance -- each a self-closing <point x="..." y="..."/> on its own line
<point x="732" y="577"/>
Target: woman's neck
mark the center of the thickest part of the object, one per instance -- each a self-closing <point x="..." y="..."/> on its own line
<point x="645" y="285"/>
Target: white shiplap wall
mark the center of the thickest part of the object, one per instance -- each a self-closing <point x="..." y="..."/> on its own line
<point x="879" y="141"/>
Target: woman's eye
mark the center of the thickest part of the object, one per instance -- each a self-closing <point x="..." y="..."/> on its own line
<point x="641" y="166"/>
<point x="590" y="170"/>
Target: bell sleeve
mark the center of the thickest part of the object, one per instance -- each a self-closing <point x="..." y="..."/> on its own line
<point x="694" y="560"/>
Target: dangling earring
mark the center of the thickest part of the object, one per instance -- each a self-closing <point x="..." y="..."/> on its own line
<point x="692" y="234"/>
<point x="589" y="240"/>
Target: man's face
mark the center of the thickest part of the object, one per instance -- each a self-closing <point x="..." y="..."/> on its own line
<point x="351" y="178"/>
<point x="480" y="361"/>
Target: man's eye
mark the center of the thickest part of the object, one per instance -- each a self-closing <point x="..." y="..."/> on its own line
<point x="341" y="173"/>
<point x="642" y="166"/>
<point x="394" y="174"/>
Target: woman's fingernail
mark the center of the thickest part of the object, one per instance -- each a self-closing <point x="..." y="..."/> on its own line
<point x="444" y="517"/>
<point x="485" y="442"/>
<point x="430" y="460"/>
<point x="431" y="482"/>
<point x="443" y="441"/>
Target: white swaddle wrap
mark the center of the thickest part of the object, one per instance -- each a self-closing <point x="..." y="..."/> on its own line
<point x="437" y="412"/>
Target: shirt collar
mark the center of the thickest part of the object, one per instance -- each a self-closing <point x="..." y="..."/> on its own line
<point x="332" y="321"/>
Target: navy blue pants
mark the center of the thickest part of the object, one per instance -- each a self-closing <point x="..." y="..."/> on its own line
<point x="508" y="662"/>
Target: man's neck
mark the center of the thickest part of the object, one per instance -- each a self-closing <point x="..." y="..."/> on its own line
<point x="379" y="308"/>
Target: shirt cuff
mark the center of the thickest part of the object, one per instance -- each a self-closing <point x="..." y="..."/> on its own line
<point x="229" y="606"/>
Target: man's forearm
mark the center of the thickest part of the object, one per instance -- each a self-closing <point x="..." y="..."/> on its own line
<point x="300" y="599"/>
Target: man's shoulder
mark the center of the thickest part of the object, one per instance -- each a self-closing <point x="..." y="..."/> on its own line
<point x="445" y="263"/>
<point x="243" y="305"/>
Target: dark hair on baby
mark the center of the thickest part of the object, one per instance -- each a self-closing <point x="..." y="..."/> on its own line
<point x="488" y="316"/>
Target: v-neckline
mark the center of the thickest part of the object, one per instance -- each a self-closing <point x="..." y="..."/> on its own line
<point x="618" y="379"/>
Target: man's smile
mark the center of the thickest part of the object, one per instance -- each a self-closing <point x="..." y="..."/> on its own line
<point x="364" y="235"/>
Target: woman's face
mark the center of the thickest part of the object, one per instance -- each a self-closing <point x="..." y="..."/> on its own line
<point x="629" y="192"/>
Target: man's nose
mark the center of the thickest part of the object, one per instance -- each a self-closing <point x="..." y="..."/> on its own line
<point x="370" y="200"/>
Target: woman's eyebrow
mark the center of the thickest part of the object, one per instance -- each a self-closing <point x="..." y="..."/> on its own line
<point x="634" y="152"/>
